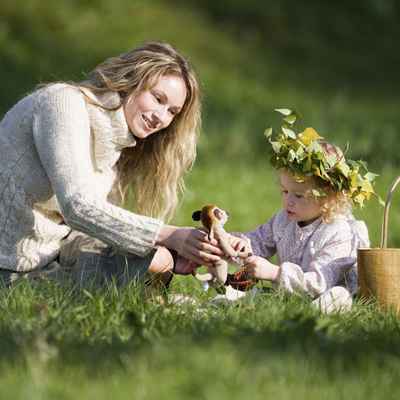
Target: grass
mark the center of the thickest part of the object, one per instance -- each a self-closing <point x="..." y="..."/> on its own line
<point x="114" y="343"/>
<point x="60" y="343"/>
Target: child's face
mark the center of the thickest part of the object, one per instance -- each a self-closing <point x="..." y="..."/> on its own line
<point x="297" y="199"/>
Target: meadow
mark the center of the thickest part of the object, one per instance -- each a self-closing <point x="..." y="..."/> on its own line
<point x="60" y="343"/>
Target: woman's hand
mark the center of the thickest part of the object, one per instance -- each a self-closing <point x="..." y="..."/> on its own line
<point x="261" y="268"/>
<point x="183" y="266"/>
<point x="190" y="243"/>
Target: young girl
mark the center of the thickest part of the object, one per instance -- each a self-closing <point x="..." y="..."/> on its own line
<point x="315" y="235"/>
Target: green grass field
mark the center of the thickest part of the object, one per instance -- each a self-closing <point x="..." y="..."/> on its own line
<point x="57" y="343"/>
<point x="97" y="345"/>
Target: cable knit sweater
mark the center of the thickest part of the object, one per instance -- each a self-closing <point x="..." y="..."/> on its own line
<point x="57" y="171"/>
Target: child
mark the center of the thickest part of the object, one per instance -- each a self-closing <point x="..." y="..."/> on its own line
<point x="315" y="235"/>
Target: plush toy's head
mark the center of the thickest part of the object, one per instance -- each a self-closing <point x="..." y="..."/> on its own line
<point x="210" y="214"/>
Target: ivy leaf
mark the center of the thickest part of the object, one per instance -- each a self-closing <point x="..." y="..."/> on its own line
<point x="284" y="111"/>
<point x="363" y="164"/>
<point x="353" y="164"/>
<point x="320" y="171"/>
<point x="343" y="168"/>
<point x="308" y="136"/>
<point x="290" y="119"/>
<point x="359" y="199"/>
<point x="315" y="147"/>
<point x="370" y="176"/>
<point x="291" y="155"/>
<point x="300" y="153"/>
<point x="268" y="133"/>
<point x="276" y="146"/>
<point x="289" y="133"/>
<point x="307" y="165"/>
<point x="331" y="160"/>
<point x="367" y="187"/>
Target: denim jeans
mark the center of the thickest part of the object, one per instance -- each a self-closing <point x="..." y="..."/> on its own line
<point x="87" y="262"/>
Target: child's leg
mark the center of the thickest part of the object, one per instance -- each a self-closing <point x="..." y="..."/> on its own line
<point x="336" y="299"/>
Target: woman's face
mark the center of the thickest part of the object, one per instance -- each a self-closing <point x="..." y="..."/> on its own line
<point x="155" y="108"/>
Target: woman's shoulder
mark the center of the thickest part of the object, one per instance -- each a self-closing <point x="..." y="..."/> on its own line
<point x="81" y="94"/>
<point x="57" y="99"/>
<point x="58" y="89"/>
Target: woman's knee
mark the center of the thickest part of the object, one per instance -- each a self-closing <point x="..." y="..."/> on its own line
<point x="162" y="261"/>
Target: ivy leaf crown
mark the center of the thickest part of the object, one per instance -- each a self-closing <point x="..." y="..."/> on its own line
<point x="307" y="154"/>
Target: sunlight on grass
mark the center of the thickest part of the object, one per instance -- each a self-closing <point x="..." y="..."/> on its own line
<point x="113" y="342"/>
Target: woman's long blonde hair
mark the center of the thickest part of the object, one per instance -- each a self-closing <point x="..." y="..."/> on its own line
<point x="155" y="167"/>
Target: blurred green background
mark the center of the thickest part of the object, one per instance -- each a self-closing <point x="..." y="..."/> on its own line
<point x="336" y="63"/>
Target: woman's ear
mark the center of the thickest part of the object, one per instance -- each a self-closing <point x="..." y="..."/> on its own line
<point x="196" y="216"/>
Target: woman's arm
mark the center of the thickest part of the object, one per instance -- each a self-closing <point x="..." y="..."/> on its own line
<point x="62" y="137"/>
<point x="61" y="133"/>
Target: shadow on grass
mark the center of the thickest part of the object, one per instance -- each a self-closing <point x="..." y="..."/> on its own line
<point x="98" y="330"/>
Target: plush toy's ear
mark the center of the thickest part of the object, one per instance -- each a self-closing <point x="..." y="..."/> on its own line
<point x="218" y="213"/>
<point x="196" y="216"/>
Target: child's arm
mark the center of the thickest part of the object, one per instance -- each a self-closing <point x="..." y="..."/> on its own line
<point x="326" y="269"/>
<point x="261" y="268"/>
<point x="332" y="255"/>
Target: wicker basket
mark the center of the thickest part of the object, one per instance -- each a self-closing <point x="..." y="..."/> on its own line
<point x="379" y="268"/>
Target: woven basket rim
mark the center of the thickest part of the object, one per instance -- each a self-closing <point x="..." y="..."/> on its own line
<point x="380" y="249"/>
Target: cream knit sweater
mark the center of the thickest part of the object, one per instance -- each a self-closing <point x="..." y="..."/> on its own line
<point x="57" y="171"/>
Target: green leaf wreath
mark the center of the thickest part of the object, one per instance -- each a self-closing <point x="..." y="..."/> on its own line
<point x="303" y="155"/>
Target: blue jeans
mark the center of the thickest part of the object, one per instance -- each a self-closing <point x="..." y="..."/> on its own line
<point x="87" y="262"/>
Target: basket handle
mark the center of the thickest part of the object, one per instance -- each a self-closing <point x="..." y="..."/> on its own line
<point x="384" y="234"/>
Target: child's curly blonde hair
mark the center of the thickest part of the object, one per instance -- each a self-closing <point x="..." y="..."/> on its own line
<point x="334" y="202"/>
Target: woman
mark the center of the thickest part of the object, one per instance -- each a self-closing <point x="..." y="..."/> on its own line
<point x="69" y="152"/>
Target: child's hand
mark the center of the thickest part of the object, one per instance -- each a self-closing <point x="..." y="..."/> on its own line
<point x="261" y="268"/>
<point x="241" y="245"/>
